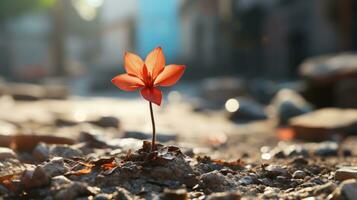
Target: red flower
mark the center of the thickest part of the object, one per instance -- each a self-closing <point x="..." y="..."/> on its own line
<point x="149" y="75"/>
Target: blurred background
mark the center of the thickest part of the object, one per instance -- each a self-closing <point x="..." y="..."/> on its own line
<point x="268" y="68"/>
<point x="250" y="48"/>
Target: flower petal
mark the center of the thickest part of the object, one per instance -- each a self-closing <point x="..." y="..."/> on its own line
<point x="170" y="75"/>
<point x="133" y="64"/>
<point x="155" y="61"/>
<point x="153" y="95"/>
<point x="127" y="82"/>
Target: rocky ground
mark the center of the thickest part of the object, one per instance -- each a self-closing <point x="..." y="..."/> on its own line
<point x="96" y="149"/>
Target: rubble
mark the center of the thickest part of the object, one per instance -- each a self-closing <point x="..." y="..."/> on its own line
<point x="345" y="173"/>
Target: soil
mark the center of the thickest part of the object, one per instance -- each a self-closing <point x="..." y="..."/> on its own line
<point x="77" y="152"/>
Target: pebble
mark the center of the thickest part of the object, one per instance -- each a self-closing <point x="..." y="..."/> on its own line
<point x="326" y="149"/>
<point x="346" y="173"/>
<point x="299" y="174"/>
<point x="214" y="181"/>
<point x="246" y="180"/>
<point x="347" y="190"/>
<point x="6" y="153"/>
<point x="179" y="194"/>
<point x="103" y="196"/>
<point x="276" y="170"/>
<point x="106" y="122"/>
<point x="300" y="161"/>
<point x="41" y="152"/>
<point x="55" y="167"/>
<point x="65" y="151"/>
<point x="224" y="196"/>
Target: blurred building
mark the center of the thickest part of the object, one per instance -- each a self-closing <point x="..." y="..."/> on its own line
<point x="251" y="38"/>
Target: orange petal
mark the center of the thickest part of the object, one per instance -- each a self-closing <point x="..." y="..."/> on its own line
<point x="133" y="64"/>
<point x="127" y="82"/>
<point x="152" y="94"/>
<point x="155" y="61"/>
<point x="170" y="75"/>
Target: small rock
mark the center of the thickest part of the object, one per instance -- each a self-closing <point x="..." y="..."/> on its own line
<point x="122" y="194"/>
<point x="322" y="124"/>
<point x="72" y="190"/>
<point x="65" y="151"/>
<point x="347" y="190"/>
<point x="6" y="153"/>
<point x="300" y="161"/>
<point x="56" y="166"/>
<point x="326" y="149"/>
<point x="214" y="181"/>
<point x="224" y="196"/>
<point x="346" y="173"/>
<point x="299" y="174"/>
<point x="249" y="110"/>
<point x="60" y="180"/>
<point x="284" y="150"/>
<point x="179" y="194"/>
<point x="246" y="180"/>
<point x="275" y="170"/>
<point x="35" y="178"/>
<point x="288" y="103"/>
<point x="106" y="122"/>
<point x="103" y="196"/>
<point x="325" y="188"/>
<point x="93" y="138"/>
<point x="41" y="152"/>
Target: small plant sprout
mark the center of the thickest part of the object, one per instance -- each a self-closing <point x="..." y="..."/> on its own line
<point x="147" y="76"/>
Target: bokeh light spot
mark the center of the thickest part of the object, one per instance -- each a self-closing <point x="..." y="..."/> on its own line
<point x="232" y="105"/>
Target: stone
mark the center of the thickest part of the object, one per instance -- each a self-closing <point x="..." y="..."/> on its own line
<point x="300" y="161"/>
<point x="54" y="167"/>
<point x="179" y="194"/>
<point x="299" y="174"/>
<point x="103" y="196"/>
<point x="331" y="80"/>
<point x="246" y="180"/>
<point x="224" y="196"/>
<point x="26" y="92"/>
<point x="93" y="138"/>
<point x="322" y="124"/>
<point x="214" y="181"/>
<point x="249" y="110"/>
<point x="35" y="178"/>
<point x="276" y="170"/>
<point x="6" y="153"/>
<point x="72" y="190"/>
<point x="325" y="148"/>
<point x="346" y="173"/>
<point x="41" y="152"/>
<point x="347" y="190"/>
<point x="286" y="104"/>
<point x="107" y="122"/>
<point x="284" y="150"/>
<point x="10" y="167"/>
<point x="65" y="151"/>
<point x="57" y="181"/>
<point x="329" y="67"/>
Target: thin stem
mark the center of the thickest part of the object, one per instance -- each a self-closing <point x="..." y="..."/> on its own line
<point x="153" y="128"/>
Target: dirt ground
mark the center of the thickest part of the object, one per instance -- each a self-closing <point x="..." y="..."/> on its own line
<point x="94" y="149"/>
